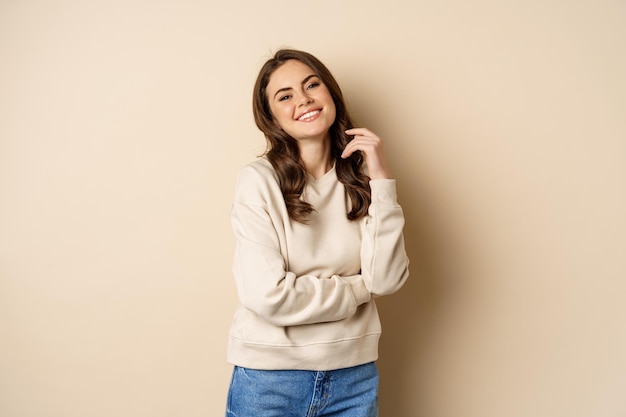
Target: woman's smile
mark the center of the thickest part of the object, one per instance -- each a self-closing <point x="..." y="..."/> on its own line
<point x="309" y="116"/>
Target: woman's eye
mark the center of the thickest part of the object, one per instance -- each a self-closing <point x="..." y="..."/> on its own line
<point x="312" y="85"/>
<point x="285" y="97"/>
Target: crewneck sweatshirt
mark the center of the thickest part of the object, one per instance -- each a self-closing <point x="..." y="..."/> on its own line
<point x="306" y="291"/>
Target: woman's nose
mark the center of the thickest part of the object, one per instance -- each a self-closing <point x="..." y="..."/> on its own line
<point x="304" y="100"/>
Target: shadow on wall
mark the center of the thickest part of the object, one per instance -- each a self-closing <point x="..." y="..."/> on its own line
<point x="409" y="317"/>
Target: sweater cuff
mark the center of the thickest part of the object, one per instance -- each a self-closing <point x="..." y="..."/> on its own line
<point x="360" y="292"/>
<point x="383" y="191"/>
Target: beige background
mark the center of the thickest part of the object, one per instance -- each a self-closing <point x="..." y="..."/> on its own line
<point x="123" y="124"/>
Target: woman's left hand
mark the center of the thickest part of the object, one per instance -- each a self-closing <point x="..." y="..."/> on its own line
<point x="372" y="147"/>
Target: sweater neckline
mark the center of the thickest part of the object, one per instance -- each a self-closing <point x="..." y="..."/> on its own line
<point x="328" y="176"/>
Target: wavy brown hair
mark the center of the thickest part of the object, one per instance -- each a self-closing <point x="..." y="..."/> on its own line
<point x="282" y="150"/>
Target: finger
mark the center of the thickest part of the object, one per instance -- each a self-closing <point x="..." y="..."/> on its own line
<point x="366" y="145"/>
<point x="347" y="151"/>
<point x="352" y="146"/>
<point x="359" y="131"/>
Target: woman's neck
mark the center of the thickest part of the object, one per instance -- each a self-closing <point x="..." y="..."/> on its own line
<point x="316" y="157"/>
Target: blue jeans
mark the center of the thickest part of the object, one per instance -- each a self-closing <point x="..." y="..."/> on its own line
<point x="349" y="392"/>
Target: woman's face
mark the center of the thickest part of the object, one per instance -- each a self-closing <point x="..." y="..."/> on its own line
<point x="300" y="103"/>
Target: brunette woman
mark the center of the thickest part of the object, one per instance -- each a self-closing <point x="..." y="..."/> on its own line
<point x="318" y="237"/>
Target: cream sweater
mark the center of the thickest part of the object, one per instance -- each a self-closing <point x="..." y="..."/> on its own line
<point x="306" y="291"/>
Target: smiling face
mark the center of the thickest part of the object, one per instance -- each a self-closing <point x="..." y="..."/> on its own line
<point x="300" y="102"/>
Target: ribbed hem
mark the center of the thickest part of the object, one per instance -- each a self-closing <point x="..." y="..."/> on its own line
<point x="314" y="357"/>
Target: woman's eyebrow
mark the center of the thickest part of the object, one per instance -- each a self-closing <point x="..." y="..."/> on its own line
<point x="291" y="88"/>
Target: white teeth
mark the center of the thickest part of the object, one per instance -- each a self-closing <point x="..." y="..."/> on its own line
<point x="308" y="115"/>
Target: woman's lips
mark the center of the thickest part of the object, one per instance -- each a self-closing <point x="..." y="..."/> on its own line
<point x="310" y="115"/>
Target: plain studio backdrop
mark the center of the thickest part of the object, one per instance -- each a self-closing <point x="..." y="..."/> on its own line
<point x="123" y="124"/>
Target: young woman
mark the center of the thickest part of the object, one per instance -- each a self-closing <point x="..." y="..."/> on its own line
<point x="318" y="236"/>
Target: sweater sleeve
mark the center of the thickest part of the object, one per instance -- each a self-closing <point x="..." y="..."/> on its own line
<point x="384" y="263"/>
<point x="264" y="284"/>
